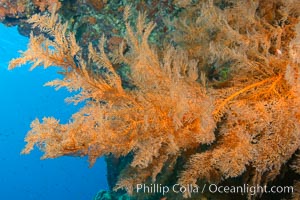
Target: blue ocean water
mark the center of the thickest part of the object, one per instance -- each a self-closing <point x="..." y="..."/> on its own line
<point x="22" y="99"/>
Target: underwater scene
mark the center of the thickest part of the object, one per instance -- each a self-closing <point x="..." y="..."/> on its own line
<point x="150" y="99"/>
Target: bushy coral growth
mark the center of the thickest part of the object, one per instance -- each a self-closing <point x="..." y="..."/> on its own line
<point x="253" y="54"/>
<point x="116" y="120"/>
<point x="231" y="83"/>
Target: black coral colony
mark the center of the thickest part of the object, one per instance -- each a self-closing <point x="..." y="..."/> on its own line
<point x="224" y="100"/>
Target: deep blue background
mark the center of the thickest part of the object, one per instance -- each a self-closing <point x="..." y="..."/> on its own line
<point x="22" y="99"/>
